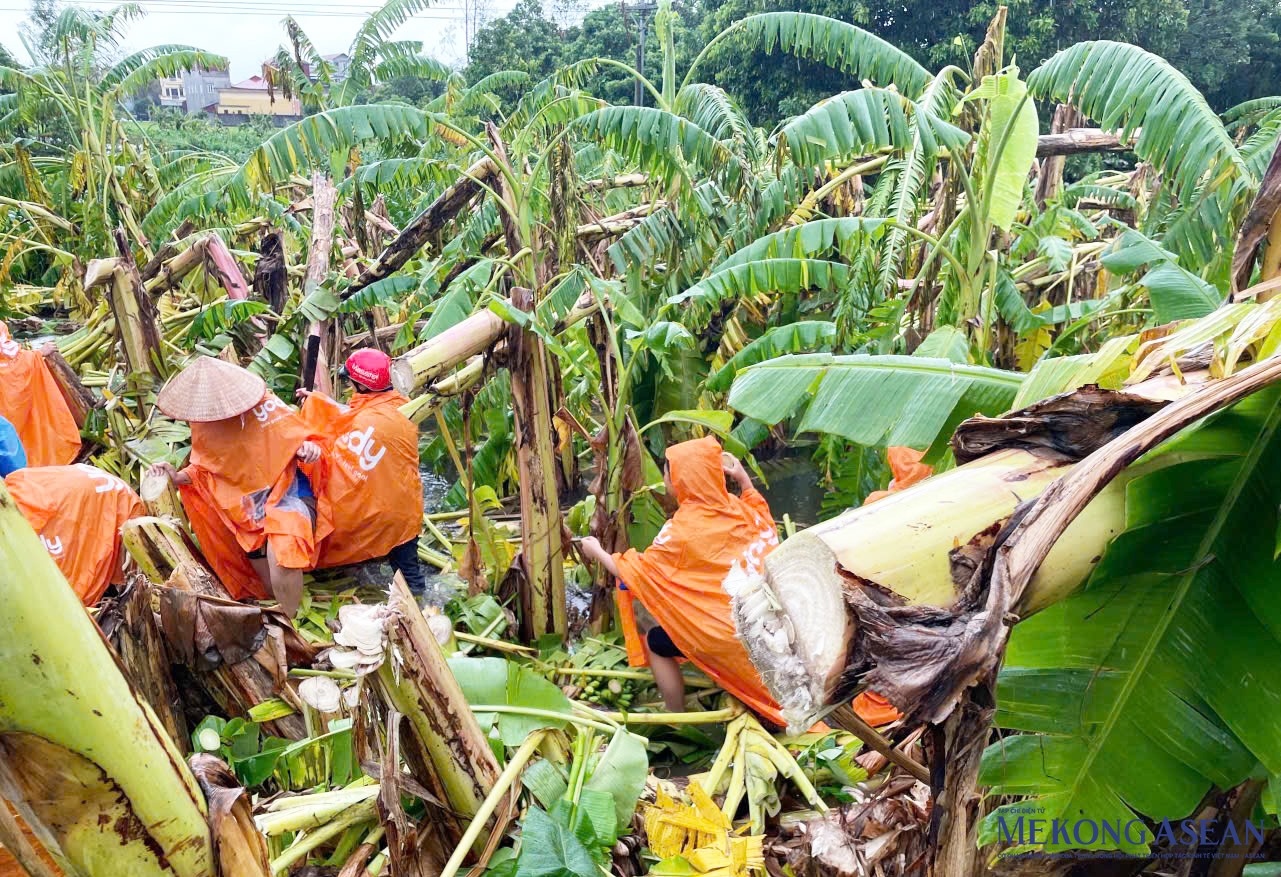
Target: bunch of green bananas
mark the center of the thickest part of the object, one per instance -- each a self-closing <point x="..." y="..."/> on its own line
<point x="616" y="693"/>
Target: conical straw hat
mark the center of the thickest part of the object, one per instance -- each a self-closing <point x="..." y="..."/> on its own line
<point x="210" y="389"/>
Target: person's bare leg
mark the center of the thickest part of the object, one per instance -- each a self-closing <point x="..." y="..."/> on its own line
<point x="286" y="584"/>
<point x="263" y="569"/>
<point x="670" y="682"/>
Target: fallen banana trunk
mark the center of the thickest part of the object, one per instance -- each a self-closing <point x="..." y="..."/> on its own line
<point x="133" y="310"/>
<point x="958" y="685"/>
<point x="129" y="624"/>
<point x="209" y="251"/>
<point x="423" y="226"/>
<point x="612" y="226"/>
<point x="77" y="396"/>
<point x="900" y="548"/>
<point x="431" y="359"/>
<point x="189" y="592"/>
<point x="423" y="406"/>
<point x="477" y="334"/>
<point x="445" y="749"/>
<point x="81" y="757"/>
<point x="913" y="554"/>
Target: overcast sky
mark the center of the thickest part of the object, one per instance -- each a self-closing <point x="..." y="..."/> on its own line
<point x="249" y="31"/>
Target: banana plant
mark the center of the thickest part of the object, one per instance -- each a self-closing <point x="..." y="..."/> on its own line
<point x="92" y="171"/>
<point x="373" y="57"/>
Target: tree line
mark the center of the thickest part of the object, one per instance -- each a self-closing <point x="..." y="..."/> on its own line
<point x="1229" y="49"/>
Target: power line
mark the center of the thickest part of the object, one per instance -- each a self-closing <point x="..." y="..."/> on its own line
<point x="272" y="8"/>
<point x="264" y="13"/>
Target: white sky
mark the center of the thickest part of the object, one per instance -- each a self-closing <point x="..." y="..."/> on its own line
<point x="249" y="31"/>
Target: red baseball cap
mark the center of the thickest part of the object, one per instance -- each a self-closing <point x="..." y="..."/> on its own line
<point x="370" y="368"/>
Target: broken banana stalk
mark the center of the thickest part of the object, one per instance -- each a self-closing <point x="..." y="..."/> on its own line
<point x="444" y="745"/>
<point x="910" y="558"/>
<point x="240" y="678"/>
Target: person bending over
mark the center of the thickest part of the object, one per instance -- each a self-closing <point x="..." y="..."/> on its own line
<point x="254" y="488"/>
<point x="375" y="488"/>
<point x="678" y="578"/>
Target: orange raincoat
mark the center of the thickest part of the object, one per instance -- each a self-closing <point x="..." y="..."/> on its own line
<point x="906" y="465"/>
<point x="678" y="578"/>
<point x="375" y="492"/>
<point x="31" y="400"/>
<point x="244" y="491"/>
<point x="78" y="512"/>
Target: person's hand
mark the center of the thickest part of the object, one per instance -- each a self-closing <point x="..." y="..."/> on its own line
<point x="167" y="471"/>
<point x="163" y="470"/>
<point x="308" y="452"/>
<point x="591" y="547"/>
<point x="733" y="467"/>
<point x="301" y="394"/>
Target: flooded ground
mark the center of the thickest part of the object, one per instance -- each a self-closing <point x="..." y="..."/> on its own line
<point x="792" y="487"/>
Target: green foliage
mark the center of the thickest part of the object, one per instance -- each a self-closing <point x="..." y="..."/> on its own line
<point x="764" y="275"/>
<point x="327" y="758"/>
<point x="1175" y="293"/>
<point x="1129" y="696"/>
<point x="552" y="849"/>
<point x="497" y="682"/>
<point x="806" y="336"/>
<point x="872" y="400"/>
<point x="937" y="100"/>
<point x="659" y="142"/>
<point x="312" y="141"/>
<point x="838" y="44"/>
<point x="868" y="119"/>
<point x="1180" y="134"/>
<point x="222" y="317"/>
<point x="1009" y="144"/>
<point x="849" y="473"/>
<point x="139" y="69"/>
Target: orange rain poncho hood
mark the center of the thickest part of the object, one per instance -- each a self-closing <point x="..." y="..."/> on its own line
<point x="31" y="400"/>
<point x="678" y="578"/>
<point x="375" y="492"/>
<point x="243" y="492"/>
<point x="78" y="512"/>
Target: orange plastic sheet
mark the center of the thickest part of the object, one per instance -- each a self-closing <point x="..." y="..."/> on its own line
<point x="31" y="400"/>
<point x="907" y="469"/>
<point x="678" y="578"/>
<point x="78" y="512"/>
<point x="244" y="492"/>
<point x="374" y="489"/>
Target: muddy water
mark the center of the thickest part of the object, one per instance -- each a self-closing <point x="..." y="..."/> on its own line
<point x="792" y="488"/>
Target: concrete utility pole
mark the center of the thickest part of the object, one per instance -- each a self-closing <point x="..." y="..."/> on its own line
<point x="644" y="10"/>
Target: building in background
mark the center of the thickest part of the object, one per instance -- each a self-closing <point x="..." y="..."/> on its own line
<point x="172" y="93"/>
<point x="240" y="102"/>
<point x="201" y="88"/>
<point x="342" y="64"/>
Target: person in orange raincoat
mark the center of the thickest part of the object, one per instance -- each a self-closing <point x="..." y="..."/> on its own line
<point x="907" y="469"/>
<point x="254" y="486"/>
<point x="31" y="400"/>
<point x="678" y="578"/>
<point x="375" y="489"/>
<point x="78" y="512"/>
